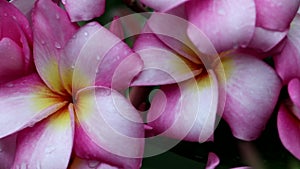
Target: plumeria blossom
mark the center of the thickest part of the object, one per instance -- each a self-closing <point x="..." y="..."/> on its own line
<point x="73" y="102"/>
<point x="76" y="9"/>
<point x="15" y="43"/>
<point x="252" y="87"/>
<point x="287" y="66"/>
<point x="249" y="24"/>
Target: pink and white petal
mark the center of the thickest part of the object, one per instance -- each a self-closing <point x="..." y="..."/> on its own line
<point x="24" y="102"/>
<point x="110" y="126"/>
<point x="252" y="89"/>
<point x="279" y="20"/>
<point x="83" y="10"/>
<point x="117" y="28"/>
<point x="227" y="24"/>
<point x="48" y="144"/>
<point x="12" y="65"/>
<point x="177" y="39"/>
<point x="163" y="6"/>
<point x="164" y="67"/>
<point x="213" y="161"/>
<point x="187" y="111"/>
<point x="100" y="63"/>
<point x="79" y="163"/>
<point x="265" y="40"/>
<point x="287" y="63"/>
<point x="51" y="29"/>
<point x="246" y="167"/>
<point x="294" y="91"/>
<point x="289" y="129"/>
<point x="8" y="148"/>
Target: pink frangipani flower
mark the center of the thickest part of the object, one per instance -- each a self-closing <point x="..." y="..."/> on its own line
<point x="252" y="86"/>
<point x="73" y="103"/>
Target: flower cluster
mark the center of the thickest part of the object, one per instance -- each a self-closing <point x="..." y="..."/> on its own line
<point x="64" y="78"/>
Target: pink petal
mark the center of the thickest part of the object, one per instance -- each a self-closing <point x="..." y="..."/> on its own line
<point x="163" y="6"/>
<point x="24" y="6"/>
<point x="52" y="29"/>
<point x="289" y="129"/>
<point x="15" y="26"/>
<point x="187" y="111"/>
<point x="79" y="163"/>
<point x="116" y="27"/>
<point x="24" y="102"/>
<point x="213" y="161"/>
<point x="109" y="129"/>
<point x="10" y="12"/>
<point x="12" y="65"/>
<point x="227" y="24"/>
<point x="252" y="91"/>
<point x="79" y="10"/>
<point x="287" y="63"/>
<point x="265" y="40"/>
<point x="7" y="153"/>
<point x="294" y="91"/>
<point x="99" y="63"/>
<point x="275" y="14"/>
<point x="48" y="144"/>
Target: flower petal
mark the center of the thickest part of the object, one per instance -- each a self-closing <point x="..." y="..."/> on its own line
<point x="227" y="24"/>
<point x="163" y="6"/>
<point x="48" y="144"/>
<point x="287" y="63"/>
<point x="252" y="89"/>
<point x="213" y="161"/>
<point x="279" y="20"/>
<point x="8" y="148"/>
<point x="34" y="101"/>
<point x="52" y="29"/>
<point x="294" y="91"/>
<point x="187" y="111"/>
<point x="80" y="10"/>
<point x="98" y="63"/>
<point x="110" y="126"/>
<point x="116" y="27"/>
<point x="289" y="129"/>
<point x="12" y="65"/>
<point x="79" y="163"/>
<point x="265" y="40"/>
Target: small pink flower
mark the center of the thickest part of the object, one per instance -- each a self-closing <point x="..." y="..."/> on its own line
<point x="73" y="103"/>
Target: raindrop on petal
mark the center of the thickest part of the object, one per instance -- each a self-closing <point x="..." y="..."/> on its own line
<point x="14" y="17"/>
<point x="93" y="164"/>
<point x="57" y="45"/>
<point x="49" y="149"/>
<point x="10" y="85"/>
<point x="57" y="16"/>
<point x="86" y="33"/>
<point x="98" y="57"/>
<point x="43" y="42"/>
<point x="5" y="14"/>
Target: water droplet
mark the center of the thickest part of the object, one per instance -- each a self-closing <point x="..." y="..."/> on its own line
<point x="86" y="33"/>
<point x="57" y="16"/>
<point x="14" y="17"/>
<point x="93" y="164"/>
<point x="49" y="149"/>
<point x="97" y="70"/>
<point x="74" y="36"/>
<point x="10" y="85"/>
<point x="43" y="42"/>
<point x="73" y="66"/>
<point x="98" y="57"/>
<point x="5" y="14"/>
<point x="221" y="11"/>
<point x="57" y="45"/>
